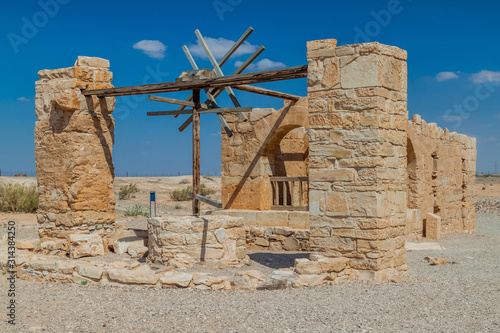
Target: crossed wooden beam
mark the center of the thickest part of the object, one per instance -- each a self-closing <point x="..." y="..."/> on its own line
<point x="214" y="83"/>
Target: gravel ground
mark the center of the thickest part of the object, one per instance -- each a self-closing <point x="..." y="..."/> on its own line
<point x="464" y="297"/>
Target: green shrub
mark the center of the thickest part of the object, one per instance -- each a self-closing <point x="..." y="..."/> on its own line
<point x="205" y="191"/>
<point x="18" y="198"/>
<point x="183" y="195"/>
<point x="136" y="210"/>
<point x="177" y="207"/>
<point x="184" y="181"/>
<point x="127" y="191"/>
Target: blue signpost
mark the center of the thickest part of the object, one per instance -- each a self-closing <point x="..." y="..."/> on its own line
<point x="152" y="198"/>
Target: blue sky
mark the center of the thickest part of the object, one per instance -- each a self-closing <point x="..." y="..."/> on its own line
<point x="453" y="64"/>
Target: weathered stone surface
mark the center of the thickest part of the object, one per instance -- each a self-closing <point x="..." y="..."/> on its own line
<point x="433" y="226"/>
<point x="291" y="244"/>
<point x="43" y="265"/>
<point x="261" y="242"/>
<point x="85" y="245"/>
<point x="121" y="245"/>
<point x="176" y="279"/>
<point x="28" y="244"/>
<point x="65" y="266"/>
<point x="305" y="266"/>
<point x="329" y="265"/>
<point x="89" y="271"/>
<point x="242" y="283"/>
<point x="220" y="234"/>
<point x="253" y="274"/>
<point x="137" y="250"/>
<point x="141" y="275"/>
<point x="181" y="241"/>
<point x="92" y="62"/>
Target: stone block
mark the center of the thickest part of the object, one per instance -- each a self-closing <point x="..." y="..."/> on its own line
<point x="432" y="226"/>
<point x="141" y="275"/>
<point x="305" y="266"/>
<point x="92" y="62"/>
<point x="120" y="246"/>
<point x="362" y="72"/>
<point x="90" y="271"/>
<point x="178" y="279"/>
<point x="85" y="245"/>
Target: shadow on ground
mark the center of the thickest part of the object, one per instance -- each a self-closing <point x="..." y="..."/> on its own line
<point x="277" y="260"/>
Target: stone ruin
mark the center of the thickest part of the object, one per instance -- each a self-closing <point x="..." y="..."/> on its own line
<point x="341" y="173"/>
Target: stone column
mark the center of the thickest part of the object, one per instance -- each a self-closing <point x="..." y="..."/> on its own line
<point x="358" y="177"/>
<point x="73" y="145"/>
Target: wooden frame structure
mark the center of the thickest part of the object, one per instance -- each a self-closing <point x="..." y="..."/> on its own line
<point x="199" y="79"/>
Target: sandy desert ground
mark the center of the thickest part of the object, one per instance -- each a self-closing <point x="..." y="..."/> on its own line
<point x="464" y="297"/>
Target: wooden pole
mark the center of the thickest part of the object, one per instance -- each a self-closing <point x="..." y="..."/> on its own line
<point x="196" y="151"/>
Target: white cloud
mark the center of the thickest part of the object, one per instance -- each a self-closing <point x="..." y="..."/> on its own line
<point x="443" y="76"/>
<point x="485" y="76"/>
<point x="264" y="64"/>
<point x="219" y="47"/>
<point x="23" y="99"/>
<point x="152" y="48"/>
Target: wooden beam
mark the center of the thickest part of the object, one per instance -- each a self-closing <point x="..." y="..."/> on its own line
<point x="207" y="200"/>
<point x="226" y="57"/>
<point x="202" y="111"/>
<point x="267" y="92"/>
<point x="171" y="100"/>
<point x="216" y="92"/>
<point x="218" y="72"/>
<point x="196" y="151"/>
<point x="231" y="80"/>
<point x="207" y="92"/>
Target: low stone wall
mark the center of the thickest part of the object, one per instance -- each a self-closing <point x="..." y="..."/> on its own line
<point x="306" y="273"/>
<point x="185" y="240"/>
<point x="277" y="239"/>
<point x="269" y="218"/>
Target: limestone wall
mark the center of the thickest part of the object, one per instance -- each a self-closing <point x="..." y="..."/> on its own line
<point x="73" y="148"/>
<point x="441" y="170"/>
<point x="250" y="156"/>
<point x="357" y="154"/>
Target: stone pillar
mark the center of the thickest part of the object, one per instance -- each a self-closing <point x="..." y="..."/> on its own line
<point x="73" y="144"/>
<point x="358" y="177"/>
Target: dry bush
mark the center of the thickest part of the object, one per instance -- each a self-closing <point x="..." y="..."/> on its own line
<point x="136" y="210"/>
<point x="184" y="181"/>
<point x="127" y="191"/>
<point x="18" y="198"/>
<point x="183" y="195"/>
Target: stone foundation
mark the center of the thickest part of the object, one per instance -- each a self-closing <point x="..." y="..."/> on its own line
<point x="185" y="240"/>
<point x="277" y="239"/>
